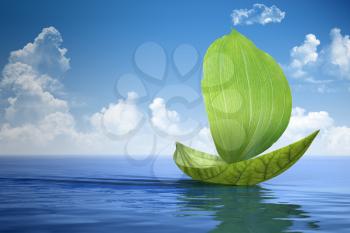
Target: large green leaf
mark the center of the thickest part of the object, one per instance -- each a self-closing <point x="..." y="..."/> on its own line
<point x="247" y="97"/>
<point x="212" y="169"/>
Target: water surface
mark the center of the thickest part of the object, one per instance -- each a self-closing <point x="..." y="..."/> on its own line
<point x="106" y="194"/>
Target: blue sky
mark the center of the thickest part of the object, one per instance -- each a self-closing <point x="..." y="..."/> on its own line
<point x="103" y="37"/>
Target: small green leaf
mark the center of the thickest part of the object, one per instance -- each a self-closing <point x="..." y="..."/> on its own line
<point x="212" y="169"/>
<point x="247" y="97"/>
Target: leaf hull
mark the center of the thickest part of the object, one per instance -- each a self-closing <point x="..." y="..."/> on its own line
<point x="212" y="169"/>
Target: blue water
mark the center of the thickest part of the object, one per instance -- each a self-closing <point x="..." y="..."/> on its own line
<point x="100" y="194"/>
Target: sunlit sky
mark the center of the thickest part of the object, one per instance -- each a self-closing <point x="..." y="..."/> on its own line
<point x="118" y="77"/>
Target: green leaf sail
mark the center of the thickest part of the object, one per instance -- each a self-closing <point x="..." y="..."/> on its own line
<point x="212" y="169"/>
<point x="246" y="95"/>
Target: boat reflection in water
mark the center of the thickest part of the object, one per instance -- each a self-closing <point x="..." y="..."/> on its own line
<point x="244" y="209"/>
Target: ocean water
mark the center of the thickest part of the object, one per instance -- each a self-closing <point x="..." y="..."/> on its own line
<point x="106" y="194"/>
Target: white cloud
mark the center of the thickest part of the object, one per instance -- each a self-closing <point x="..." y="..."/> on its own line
<point x="163" y="119"/>
<point x="259" y="14"/>
<point x="203" y="141"/>
<point x="312" y="65"/>
<point x="41" y="133"/>
<point x="304" y="55"/>
<point x="44" y="54"/>
<point x="303" y="123"/>
<point x="120" y="118"/>
<point x="339" y="53"/>
<point x="29" y="96"/>
<point x="55" y="134"/>
<point x="338" y="140"/>
<point x="332" y="140"/>
<point x="37" y="121"/>
<point x="27" y="82"/>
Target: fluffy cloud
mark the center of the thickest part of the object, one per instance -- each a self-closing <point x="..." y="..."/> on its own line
<point x="164" y="120"/>
<point x="259" y="14"/>
<point x="29" y="94"/>
<point x="338" y="139"/>
<point x="27" y="82"/>
<point x="119" y="119"/>
<point x="36" y="120"/>
<point x="303" y="123"/>
<point x="333" y="60"/>
<point x="168" y="123"/>
<point x="304" y="55"/>
<point x="332" y="140"/>
<point x="339" y="53"/>
<point x="33" y="138"/>
<point x="44" y="54"/>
